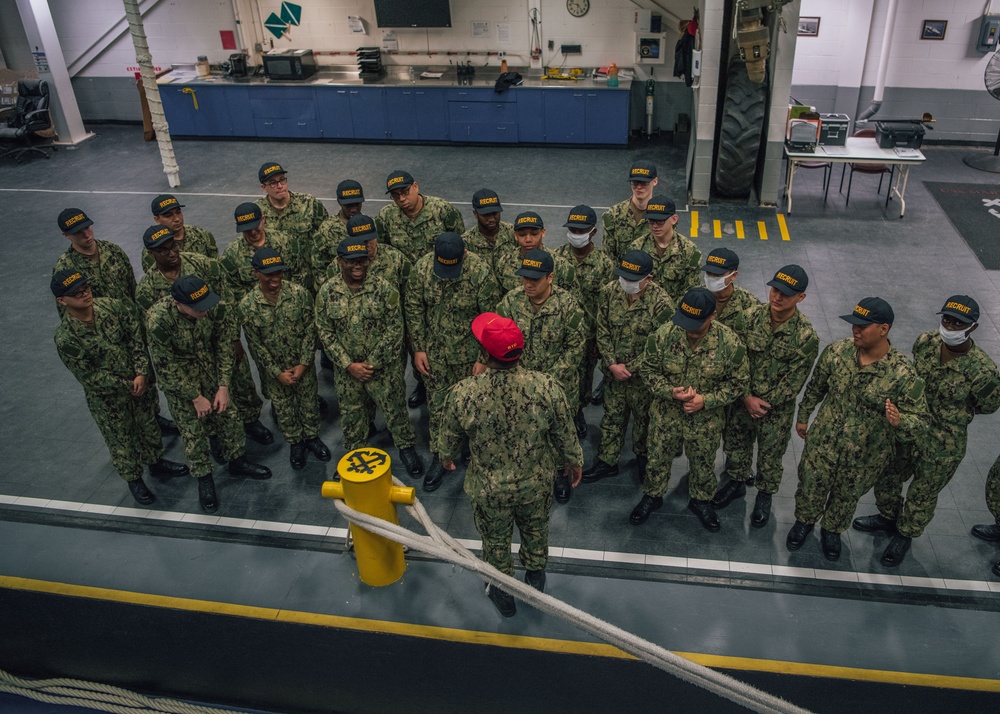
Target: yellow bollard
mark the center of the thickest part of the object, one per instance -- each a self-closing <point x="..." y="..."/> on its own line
<point x="366" y="485"/>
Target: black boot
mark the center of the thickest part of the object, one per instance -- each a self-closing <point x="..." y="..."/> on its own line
<point x="297" y="456"/>
<point x="242" y="468"/>
<point x="320" y="450"/>
<point x="563" y="490"/>
<point x="435" y="476"/>
<point x="706" y="514"/>
<point x="874" y="524"/>
<point x="411" y="460"/>
<point x="598" y="471"/>
<point x="598" y="396"/>
<point x="206" y="494"/>
<point x="830" y="542"/>
<point x="641" y="512"/>
<point x="797" y="535"/>
<point x="258" y="432"/>
<point x="989" y="532"/>
<point x="729" y="493"/>
<point x="996" y="568"/>
<point x="580" y="422"/>
<point x="895" y="552"/>
<point x="140" y="492"/>
<point x="761" y="510"/>
<point x="168" y="469"/>
<point x="536" y="579"/>
<point x="504" y="603"/>
<point x="419" y="396"/>
<point x="167" y="427"/>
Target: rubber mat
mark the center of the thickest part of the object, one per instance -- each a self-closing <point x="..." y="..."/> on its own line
<point x="974" y="210"/>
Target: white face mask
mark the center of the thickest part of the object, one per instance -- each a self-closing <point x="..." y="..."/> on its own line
<point x="631" y="287"/>
<point x="716" y="283"/>
<point x="953" y="338"/>
<point x="577" y="240"/>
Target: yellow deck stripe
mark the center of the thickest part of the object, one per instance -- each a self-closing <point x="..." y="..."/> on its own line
<point x="762" y="230"/>
<point x="783" y="227"/>
<point x="739" y="230"/>
<point x="491" y="638"/>
<point x="717" y="228"/>
<point x="694" y="224"/>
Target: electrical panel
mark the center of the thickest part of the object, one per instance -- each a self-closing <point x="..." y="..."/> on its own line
<point x="989" y="33"/>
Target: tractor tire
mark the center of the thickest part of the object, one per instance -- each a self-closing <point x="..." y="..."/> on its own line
<point x="742" y="127"/>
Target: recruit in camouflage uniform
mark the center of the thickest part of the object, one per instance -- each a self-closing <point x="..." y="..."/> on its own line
<point x="350" y="198"/>
<point x="851" y="440"/>
<point x="486" y="208"/>
<point x="625" y="222"/>
<point x="677" y="265"/>
<point x="235" y="260"/>
<point x="993" y="498"/>
<point x="532" y="230"/>
<point x="555" y="332"/>
<point x="106" y="356"/>
<point x="108" y="270"/>
<point x="167" y="212"/>
<point x="781" y="357"/>
<point x="365" y="326"/>
<point x="520" y="430"/>
<point x="440" y="304"/>
<point x="414" y="235"/>
<point x="624" y="323"/>
<point x="593" y="270"/>
<point x="965" y="385"/>
<point x="281" y="333"/>
<point x="716" y="368"/>
<point x="299" y="217"/>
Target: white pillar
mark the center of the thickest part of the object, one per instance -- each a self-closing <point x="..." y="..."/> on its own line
<point x="41" y="33"/>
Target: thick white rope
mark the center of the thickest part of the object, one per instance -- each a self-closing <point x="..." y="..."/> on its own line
<point x="102" y="697"/>
<point x="442" y="546"/>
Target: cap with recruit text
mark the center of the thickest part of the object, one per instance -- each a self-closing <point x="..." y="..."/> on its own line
<point x="528" y="219"/>
<point x="191" y="290"/>
<point x="485" y="201"/>
<point x="660" y="207"/>
<point x="635" y="265"/>
<point x="721" y="261"/>
<point x="155" y="236"/>
<point x="267" y="260"/>
<point x="72" y="220"/>
<point x="500" y="336"/>
<point x="352" y="248"/>
<point x="350" y="192"/>
<point x="361" y="226"/>
<point x="248" y="217"/>
<point x="398" y="179"/>
<point x="871" y="310"/>
<point x="961" y="307"/>
<point x="642" y="171"/>
<point x="582" y="217"/>
<point x="268" y="171"/>
<point x="449" y="252"/>
<point x="697" y="305"/>
<point x="164" y="203"/>
<point x="67" y="282"/>
<point x="536" y="264"/>
<point x="790" y="279"/>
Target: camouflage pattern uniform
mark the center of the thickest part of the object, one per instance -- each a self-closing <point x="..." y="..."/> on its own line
<point x="196" y="240"/>
<point x="520" y="431"/>
<point x="780" y="361"/>
<point x="105" y="357"/>
<point x="280" y="337"/>
<point x="554" y="336"/>
<point x="195" y="357"/>
<point x="390" y="265"/>
<point x="324" y="253"/>
<point x="678" y="269"/>
<point x="365" y="326"/>
<point x="154" y="286"/>
<point x="564" y="274"/>
<point x="300" y="221"/>
<point x="593" y="273"/>
<point x="111" y="275"/>
<point x="621" y="231"/>
<point x="415" y="238"/>
<point x="493" y="251"/>
<point x="851" y="441"/>
<point x="238" y="270"/>
<point x="438" y="315"/>
<point x="622" y="331"/>
<point x="967" y="385"/>
<point x="718" y="369"/>
<point x="993" y="490"/>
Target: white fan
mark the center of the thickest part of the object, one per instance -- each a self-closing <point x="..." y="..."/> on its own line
<point x="989" y="162"/>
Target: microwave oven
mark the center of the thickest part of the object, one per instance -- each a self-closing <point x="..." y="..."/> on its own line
<point x="289" y="64"/>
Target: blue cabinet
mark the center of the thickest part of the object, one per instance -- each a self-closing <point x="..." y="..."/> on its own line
<point x="333" y="109"/>
<point x="530" y="116"/>
<point x="482" y="116"/>
<point x="207" y="110"/>
<point x="607" y="117"/>
<point x="285" y="112"/>
<point x="565" y="116"/>
<point x="416" y="114"/>
<point x="368" y="112"/>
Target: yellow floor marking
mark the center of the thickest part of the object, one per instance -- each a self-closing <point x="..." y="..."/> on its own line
<point x="762" y="229"/>
<point x="717" y="228"/>
<point x="694" y="224"/>
<point x="739" y="230"/>
<point x="783" y="227"/>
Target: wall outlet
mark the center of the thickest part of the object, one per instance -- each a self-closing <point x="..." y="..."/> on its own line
<point x="572" y="49"/>
<point x="501" y="54"/>
<point x="552" y="44"/>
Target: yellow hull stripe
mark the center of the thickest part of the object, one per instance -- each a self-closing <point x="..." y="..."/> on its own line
<point x="783" y="227"/>
<point x="491" y="638"/>
<point x="694" y="224"/>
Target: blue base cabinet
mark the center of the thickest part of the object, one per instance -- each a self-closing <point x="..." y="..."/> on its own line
<point x="207" y="110"/>
<point x="333" y="109"/>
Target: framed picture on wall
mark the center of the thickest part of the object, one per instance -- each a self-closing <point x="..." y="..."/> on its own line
<point x="933" y="29"/>
<point x="808" y="26"/>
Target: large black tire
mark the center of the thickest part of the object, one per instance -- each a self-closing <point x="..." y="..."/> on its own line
<point x="742" y="127"/>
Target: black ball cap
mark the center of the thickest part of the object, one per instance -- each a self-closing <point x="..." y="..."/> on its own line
<point x="485" y="201"/>
<point x="350" y="192"/>
<point x="961" y="307"/>
<point x="73" y="220"/>
<point x="871" y="310"/>
<point x="449" y="252"/>
<point x="248" y="216"/>
<point x="164" y="203"/>
<point x="528" y="219"/>
<point x="660" y="207"/>
<point x="721" y="261"/>
<point x="269" y="170"/>
<point x="192" y="291"/>
<point x="790" y="279"/>
<point x="361" y="226"/>
<point x="155" y="236"/>
<point x="635" y="265"/>
<point x="536" y="264"/>
<point x="67" y="282"/>
<point x="582" y="217"/>
<point x="398" y="179"/>
<point x="642" y="171"/>
<point x="697" y="305"/>
<point x="267" y="260"/>
<point x="352" y="248"/>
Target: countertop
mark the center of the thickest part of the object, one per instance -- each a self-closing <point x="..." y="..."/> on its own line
<point x="396" y="76"/>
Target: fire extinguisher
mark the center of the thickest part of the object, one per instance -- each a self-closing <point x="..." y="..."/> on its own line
<point x="650" y="92"/>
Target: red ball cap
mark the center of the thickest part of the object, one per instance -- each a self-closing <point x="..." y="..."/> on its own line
<point x="499" y="336"/>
